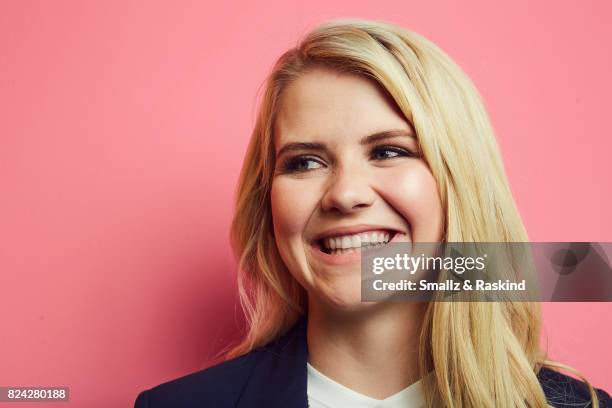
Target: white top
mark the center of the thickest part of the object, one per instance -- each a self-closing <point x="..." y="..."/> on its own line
<point x="323" y="392"/>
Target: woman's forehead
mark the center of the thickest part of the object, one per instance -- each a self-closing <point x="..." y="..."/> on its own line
<point x="327" y="103"/>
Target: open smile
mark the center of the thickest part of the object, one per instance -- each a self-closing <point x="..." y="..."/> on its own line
<point x="344" y="246"/>
<point x="355" y="242"/>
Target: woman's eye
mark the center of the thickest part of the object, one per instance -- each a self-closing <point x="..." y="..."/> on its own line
<point x="301" y="164"/>
<point x="390" y="152"/>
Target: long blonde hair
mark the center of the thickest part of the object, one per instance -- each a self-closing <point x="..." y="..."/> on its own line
<point x="482" y="354"/>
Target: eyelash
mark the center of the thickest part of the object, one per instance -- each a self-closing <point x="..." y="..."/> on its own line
<point x="291" y="164"/>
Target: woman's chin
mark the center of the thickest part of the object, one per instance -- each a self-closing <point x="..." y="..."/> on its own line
<point x="345" y="298"/>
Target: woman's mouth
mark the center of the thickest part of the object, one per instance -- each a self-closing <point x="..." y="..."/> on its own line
<point x="351" y="243"/>
<point x="347" y="247"/>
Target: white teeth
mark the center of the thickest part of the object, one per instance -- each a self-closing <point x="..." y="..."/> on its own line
<point x="346" y="242"/>
<point x="338" y="242"/>
<point x="364" y="239"/>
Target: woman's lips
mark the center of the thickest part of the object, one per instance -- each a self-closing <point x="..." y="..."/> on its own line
<point x="352" y="255"/>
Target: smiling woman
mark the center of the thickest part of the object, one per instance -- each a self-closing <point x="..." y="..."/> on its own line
<point x="348" y="170"/>
<point x="368" y="134"/>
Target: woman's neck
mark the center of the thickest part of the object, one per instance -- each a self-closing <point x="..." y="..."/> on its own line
<point x="373" y="351"/>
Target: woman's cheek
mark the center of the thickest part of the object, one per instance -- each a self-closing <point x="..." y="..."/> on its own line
<point x="413" y="192"/>
<point x="291" y="207"/>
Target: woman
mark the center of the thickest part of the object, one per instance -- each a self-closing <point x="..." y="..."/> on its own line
<point x="368" y="133"/>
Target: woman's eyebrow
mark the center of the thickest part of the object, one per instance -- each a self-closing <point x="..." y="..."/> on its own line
<point x="301" y="146"/>
<point x="374" y="137"/>
<point x="386" y="134"/>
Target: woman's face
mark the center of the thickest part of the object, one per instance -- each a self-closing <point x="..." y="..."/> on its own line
<point x="348" y="174"/>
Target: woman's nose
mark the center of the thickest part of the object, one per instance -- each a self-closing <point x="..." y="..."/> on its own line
<point x="348" y="191"/>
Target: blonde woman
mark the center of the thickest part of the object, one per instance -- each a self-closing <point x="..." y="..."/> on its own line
<point x="367" y="134"/>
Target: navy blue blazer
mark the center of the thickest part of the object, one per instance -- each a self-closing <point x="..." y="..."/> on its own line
<point x="275" y="376"/>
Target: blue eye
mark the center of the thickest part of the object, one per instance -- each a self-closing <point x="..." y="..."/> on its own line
<point x="301" y="164"/>
<point x="390" y="152"/>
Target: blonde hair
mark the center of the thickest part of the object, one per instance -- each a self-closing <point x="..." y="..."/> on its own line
<point x="481" y="353"/>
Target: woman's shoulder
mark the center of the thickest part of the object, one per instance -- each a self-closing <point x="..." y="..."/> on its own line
<point x="277" y="366"/>
<point x="220" y="386"/>
<point x="562" y="390"/>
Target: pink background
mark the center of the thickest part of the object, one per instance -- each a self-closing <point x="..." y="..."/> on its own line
<point x="122" y="129"/>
